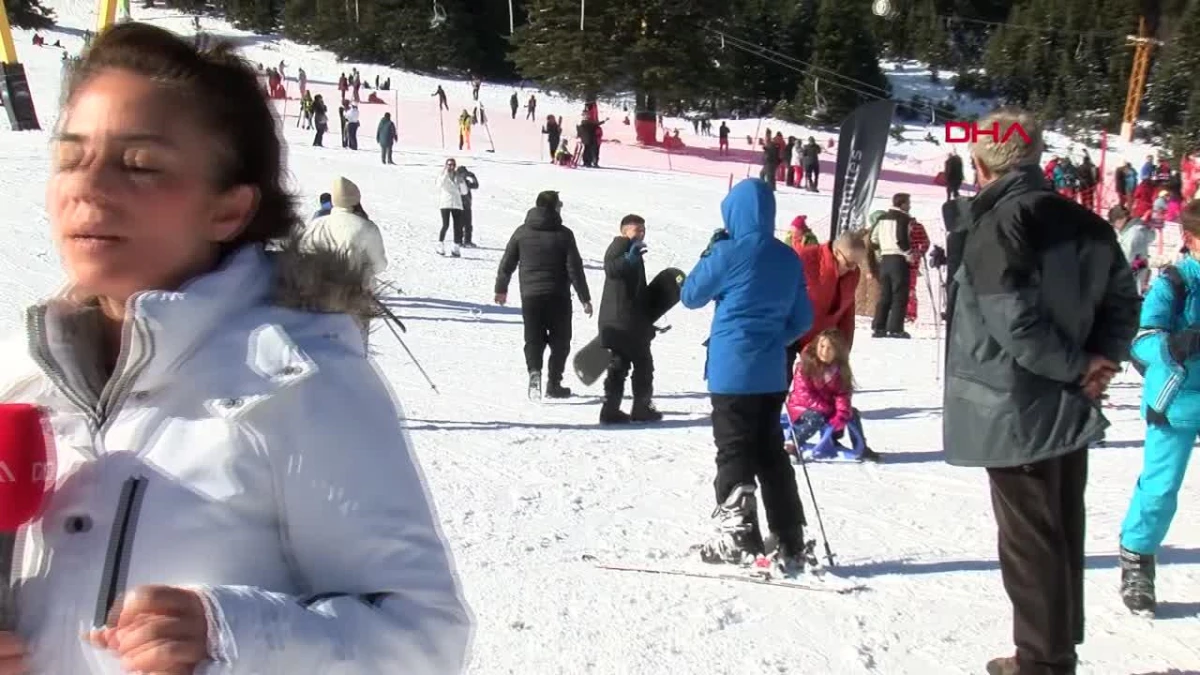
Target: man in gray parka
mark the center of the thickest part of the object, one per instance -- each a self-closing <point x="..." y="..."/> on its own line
<point x="1044" y="312"/>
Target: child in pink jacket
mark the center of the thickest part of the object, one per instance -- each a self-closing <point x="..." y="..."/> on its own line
<point x="822" y="387"/>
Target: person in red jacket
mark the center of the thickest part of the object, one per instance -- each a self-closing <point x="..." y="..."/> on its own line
<point x="831" y="272"/>
<point x="918" y="239"/>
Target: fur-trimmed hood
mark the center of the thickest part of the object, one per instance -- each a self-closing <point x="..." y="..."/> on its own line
<point x="326" y="280"/>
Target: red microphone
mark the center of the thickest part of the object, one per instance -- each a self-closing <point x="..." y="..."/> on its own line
<point x="26" y="474"/>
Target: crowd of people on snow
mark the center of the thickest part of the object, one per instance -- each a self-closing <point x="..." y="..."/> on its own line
<point x="795" y="163"/>
<point x="222" y="346"/>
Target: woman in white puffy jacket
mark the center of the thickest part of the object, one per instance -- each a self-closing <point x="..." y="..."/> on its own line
<point x="234" y="492"/>
<point x="450" y="187"/>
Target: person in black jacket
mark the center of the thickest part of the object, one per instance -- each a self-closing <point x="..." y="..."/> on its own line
<point x="625" y="328"/>
<point x="1045" y="309"/>
<point x="466" y="186"/>
<point x="953" y="173"/>
<point x="889" y="234"/>
<point x="550" y="265"/>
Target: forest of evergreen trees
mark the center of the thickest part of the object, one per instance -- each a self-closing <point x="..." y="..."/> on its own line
<point x="806" y="60"/>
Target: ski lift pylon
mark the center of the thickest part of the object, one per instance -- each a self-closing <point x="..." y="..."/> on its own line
<point x="817" y="97"/>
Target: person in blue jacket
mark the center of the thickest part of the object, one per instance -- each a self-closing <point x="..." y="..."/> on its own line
<point x="762" y="306"/>
<point x="1168" y="348"/>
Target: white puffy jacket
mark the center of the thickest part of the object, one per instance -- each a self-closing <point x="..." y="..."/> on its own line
<point x="244" y="449"/>
<point x="347" y="231"/>
<point x="450" y="191"/>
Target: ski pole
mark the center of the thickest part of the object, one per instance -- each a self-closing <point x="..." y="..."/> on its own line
<point x="412" y="357"/>
<point x="389" y="315"/>
<point x="812" y="495"/>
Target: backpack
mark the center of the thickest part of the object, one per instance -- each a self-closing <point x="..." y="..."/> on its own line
<point x="1179" y="304"/>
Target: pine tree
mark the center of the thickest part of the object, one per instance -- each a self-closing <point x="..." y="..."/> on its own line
<point x="552" y="49"/>
<point x="1177" y="72"/>
<point x="844" y="45"/>
<point x="29" y="14"/>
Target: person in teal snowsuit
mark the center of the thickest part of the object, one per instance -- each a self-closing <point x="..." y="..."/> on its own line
<point x="1168" y="348"/>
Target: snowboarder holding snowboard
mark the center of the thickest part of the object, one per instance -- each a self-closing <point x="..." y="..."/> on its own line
<point x="762" y="306"/>
<point x="550" y="265"/>
<point x="625" y="330"/>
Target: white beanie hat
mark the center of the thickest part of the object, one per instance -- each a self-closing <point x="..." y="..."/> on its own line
<point x="345" y="194"/>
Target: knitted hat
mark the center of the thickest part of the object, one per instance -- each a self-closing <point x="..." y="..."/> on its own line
<point x="345" y="194"/>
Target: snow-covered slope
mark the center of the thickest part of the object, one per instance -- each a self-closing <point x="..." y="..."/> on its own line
<point x="526" y="490"/>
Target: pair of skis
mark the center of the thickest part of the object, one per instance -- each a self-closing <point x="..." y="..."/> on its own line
<point x="761" y="571"/>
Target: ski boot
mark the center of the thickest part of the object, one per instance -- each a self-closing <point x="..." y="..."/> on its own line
<point x="455" y="252"/>
<point x="441" y="248"/>
<point x="793" y="555"/>
<point x="738" y="539"/>
<point x="535" y="385"/>
<point x="644" y="411"/>
<point x="1137" y="582"/>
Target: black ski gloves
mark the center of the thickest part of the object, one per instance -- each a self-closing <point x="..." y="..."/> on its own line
<point x="719" y="235"/>
<point x="937" y="257"/>
<point x="1184" y="344"/>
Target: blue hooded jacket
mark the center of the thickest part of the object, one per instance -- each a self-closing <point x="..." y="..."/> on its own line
<point x="758" y="284"/>
<point x="1171" y="388"/>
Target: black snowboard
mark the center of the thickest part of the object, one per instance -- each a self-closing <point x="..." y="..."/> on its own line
<point x="591" y="361"/>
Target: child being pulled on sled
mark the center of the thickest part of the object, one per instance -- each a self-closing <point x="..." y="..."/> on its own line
<point x="822" y="387"/>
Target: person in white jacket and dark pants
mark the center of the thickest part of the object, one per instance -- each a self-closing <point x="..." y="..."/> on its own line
<point x="346" y="231"/>
<point x="450" y="187"/>
<point x="235" y="493"/>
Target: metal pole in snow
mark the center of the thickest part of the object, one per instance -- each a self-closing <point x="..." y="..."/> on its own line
<point x="582" y="4"/>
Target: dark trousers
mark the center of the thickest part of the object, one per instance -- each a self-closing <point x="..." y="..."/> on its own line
<point x="457" y="216"/>
<point x="1041" y="516"/>
<point x="793" y="350"/>
<point x="812" y="174"/>
<point x="468" y="226"/>
<point x="788" y="176"/>
<point x="624" y="358"/>
<point x="952" y="190"/>
<point x="554" y="141"/>
<point x="749" y="444"/>
<point x="547" y="324"/>
<point x="769" y="174"/>
<point x="320" y="136"/>
<point x="893" y="294"/>
<point x="352" y="135"/>
<point x="385" y="153"/>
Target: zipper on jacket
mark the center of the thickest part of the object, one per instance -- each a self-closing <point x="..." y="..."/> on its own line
<point x="120" y="547"/>
<point x="40" y="350"/>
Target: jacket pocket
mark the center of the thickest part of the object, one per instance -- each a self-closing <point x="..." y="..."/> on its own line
<point x="120" y="547"/>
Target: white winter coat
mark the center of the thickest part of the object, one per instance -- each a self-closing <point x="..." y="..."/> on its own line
<point x="260" y="459"/>
<point x="450" y="191"/>
<point x="347" y="231"/>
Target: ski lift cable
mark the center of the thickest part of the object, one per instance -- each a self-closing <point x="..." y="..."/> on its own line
<point x="874" y="97"/>
<point x="880" y="93"/>
<point x="827" y="73"/>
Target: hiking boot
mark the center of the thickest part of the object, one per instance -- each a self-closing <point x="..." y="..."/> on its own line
<point x="556" y="390"/>
<point x="738" y="539"/>
<point x="613" y="415"/>
<point x="879" y="334"/>
<point x="1137" y="582"/>
<point x="1005" y="665"/>
<point x="644" y="411"/>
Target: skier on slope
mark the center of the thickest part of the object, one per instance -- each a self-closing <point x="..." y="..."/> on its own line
<point x="761" y="307"/>
<point x="625" y="327"/>
<point x="550" y="264"/>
